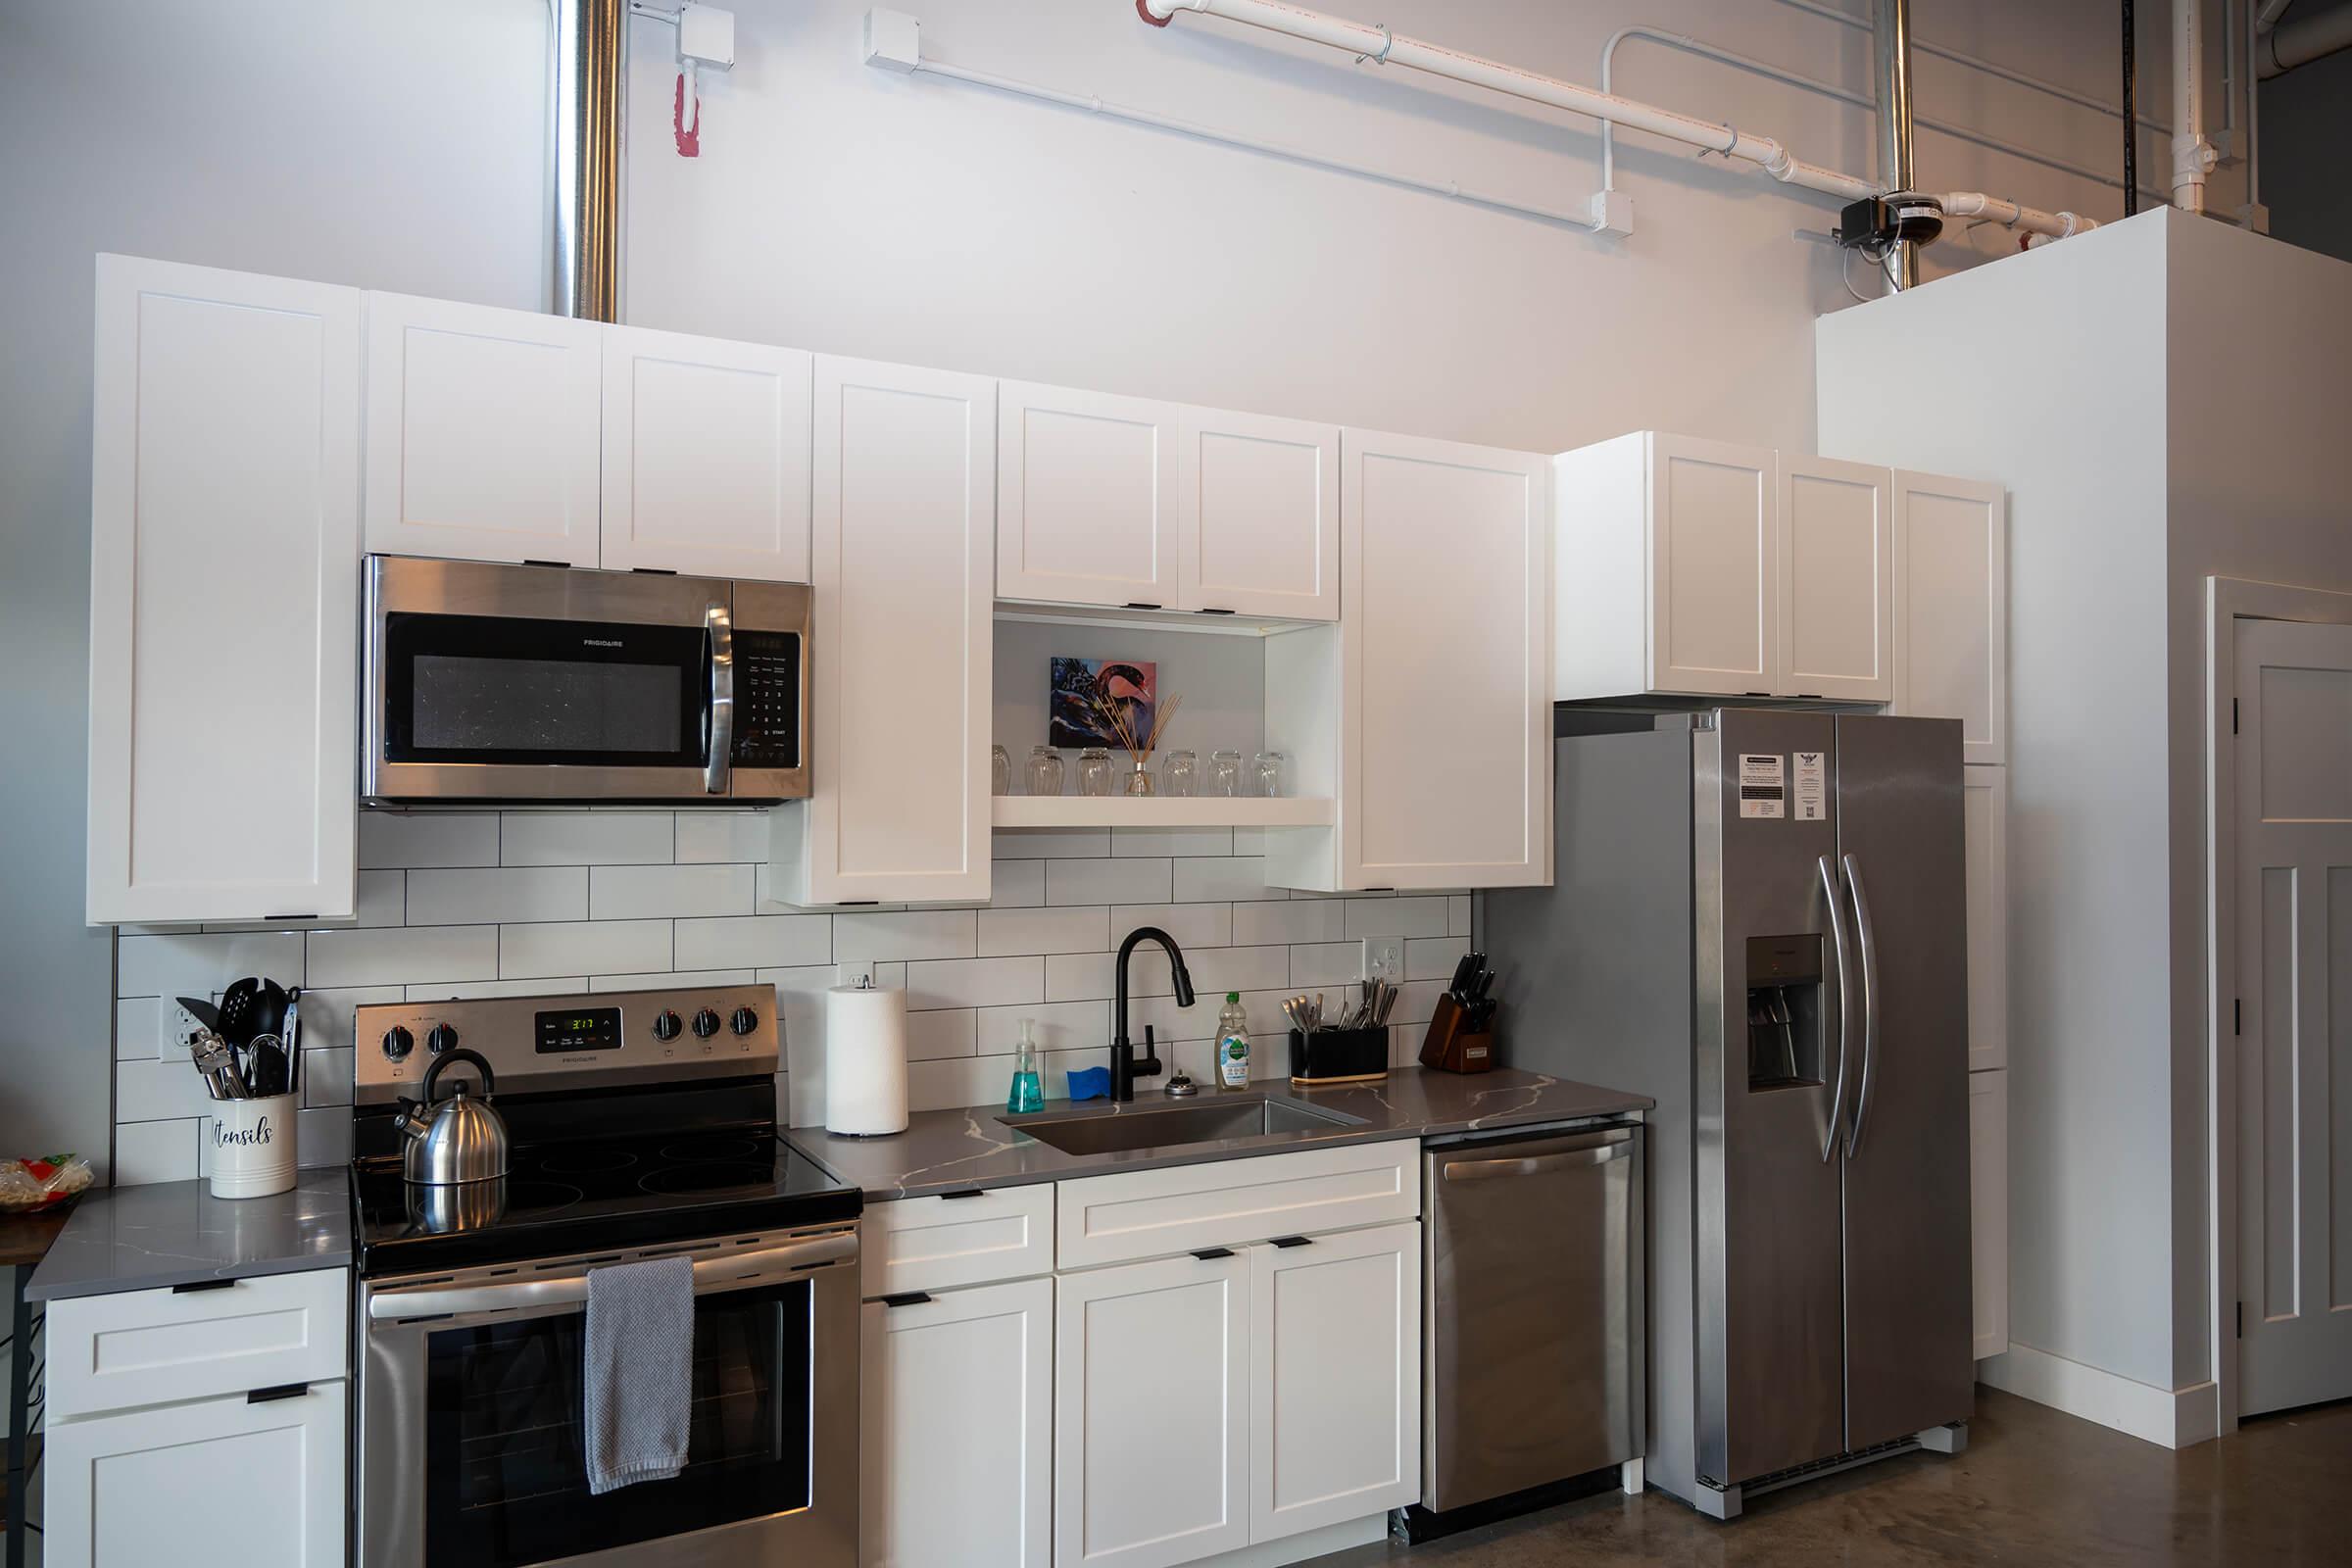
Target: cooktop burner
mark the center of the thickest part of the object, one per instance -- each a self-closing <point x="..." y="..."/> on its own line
<point x="583" y="1197"/>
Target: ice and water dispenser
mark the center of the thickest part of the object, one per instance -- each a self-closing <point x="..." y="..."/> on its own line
<point x="1784" y="1012"/>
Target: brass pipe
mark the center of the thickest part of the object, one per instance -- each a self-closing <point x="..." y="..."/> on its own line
<point x="590" y="62"/>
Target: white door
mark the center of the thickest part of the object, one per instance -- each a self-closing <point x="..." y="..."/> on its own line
<point x="1335" y="1378"/>
<point x="957" y="1430"/>
<point x="901" y="676"/>
<point x="482" y="432"/>
<point x="1951" y="607"/>
<point x="1086" y="498"/>
<point x="706" y="455"/>
<point x="2295" y="1043"/>
<point x="1257" y="516"/>
<point x="1989" y="1209"/>
<point x="254" y="1484"/>
<point x="1714" y="568"/>
<point x="1985" y="823"/>
<point x="1150" y="1411"/>
<point x="1837" y="580"/>
<point x="225" y="559"/>
<point x="1446" y="666"/>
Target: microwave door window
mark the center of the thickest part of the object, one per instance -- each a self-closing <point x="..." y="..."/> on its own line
<point x="502" y="690"/>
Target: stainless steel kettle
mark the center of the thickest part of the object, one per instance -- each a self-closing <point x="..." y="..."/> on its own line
<point x="463" y="1139"/>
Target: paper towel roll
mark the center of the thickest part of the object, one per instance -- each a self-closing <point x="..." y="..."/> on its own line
<point x="865" y="1062"/>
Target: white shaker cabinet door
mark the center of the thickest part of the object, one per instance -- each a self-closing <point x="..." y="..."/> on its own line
<point x="1335" y="1378"/>
<point x="224" y="553"/>
<point x="1446" y="666"/>
<point x="1150" y="1411"/>
<point x="1257" y="516"/>
<point x="1951" y="607"/>
<point x="220" y="1481"/>
<point x="1837" y="575"/>
<point x="1086" y="498"/>
<point x="958" y="1433"/>
<point x="901" y="673"/>
<point x="706" y="455"/>
<point x="1714" y="568"/>
<point x="1985" y="807"/>
<point x="482" y="432"/>
<point x="1988" y="1204"/>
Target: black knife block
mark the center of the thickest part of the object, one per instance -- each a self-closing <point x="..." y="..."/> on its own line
<point x="1339" y="1057"/>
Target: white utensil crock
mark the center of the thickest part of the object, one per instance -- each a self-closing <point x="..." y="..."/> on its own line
<point x="253" y="1146"/>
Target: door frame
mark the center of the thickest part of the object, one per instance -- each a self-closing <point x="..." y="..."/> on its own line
<point x="2228" y="601"/>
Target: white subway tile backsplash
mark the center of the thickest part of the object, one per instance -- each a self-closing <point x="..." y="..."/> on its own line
<point x="739" y="836"/>
<point x="1396" y="917"/>
<point x="583" y="946"/>
<point x="466" y="989"/>
<point x="1228" y="879"/>
<point x="947" y="1032"/>
<point x="588" y="838"/>
<point x="953" y="1082"/>
<point x="903" y="934"/>
<point x="1051" y="843"/>
<point x="157" y="1090"/>
<point x="398" y="954"/>
<point x="670" y="980"/>
<point x="326" y="1077"/>
<point x="383" y="899"/>
<point x="1222" y="969"/>
<point x="1106" y="882"/>
<point x="139" y="1028"/>
<point x="1457" y="915"/>
<point x="1192" y="925"/>
<point x="1060" y="1026"/>
<point x="1078" y="928"/>
<point x="154" y="1152"/>
<point x="1327" y="964"/>
<point x="667" y="892"/>
<point x="326" y="1015"/>
<point x="490" y="895"/>
<point x="398" y="840"/>
<point x="1127" y="843"/>
<point x="1016" y="884"/>
<point x="197" y="965"/>
<point x="1433" y="958"/>
<point x="975" y="982"/>
<point x="1258" y="925"/>
<point x="760" y="941"/>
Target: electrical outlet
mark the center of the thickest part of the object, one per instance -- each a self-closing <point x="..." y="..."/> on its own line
<point x="857" y="973"/>
<point x="175" y="1027"/>
<point x="1384" y="958"/>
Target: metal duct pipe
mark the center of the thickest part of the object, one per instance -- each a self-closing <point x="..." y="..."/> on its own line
<point x="2299" y="42"/>
<point x="590" y="62"/>
<point x="1894" y="33"/>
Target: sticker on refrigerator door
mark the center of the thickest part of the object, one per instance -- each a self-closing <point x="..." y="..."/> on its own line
<point x="1763" y="789"/>
<point x="1812" y="787"/>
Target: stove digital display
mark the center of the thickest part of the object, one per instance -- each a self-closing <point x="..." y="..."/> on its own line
<point x="581" y="1029"/>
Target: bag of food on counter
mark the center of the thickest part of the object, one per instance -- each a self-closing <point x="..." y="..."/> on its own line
<point x="37" y="1183"/>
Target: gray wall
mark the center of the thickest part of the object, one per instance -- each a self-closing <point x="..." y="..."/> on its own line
<point x="2306" y="123"/>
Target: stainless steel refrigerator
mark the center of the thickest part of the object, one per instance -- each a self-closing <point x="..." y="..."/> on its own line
<point x="1759" y="918"/>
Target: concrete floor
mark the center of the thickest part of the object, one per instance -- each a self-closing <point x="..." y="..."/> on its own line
<point x="2035" y="1487"/>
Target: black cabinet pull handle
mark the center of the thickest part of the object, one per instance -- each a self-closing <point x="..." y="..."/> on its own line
<point x="528" y="561"/>
<point x="193" y="1285"/>
<point x="1212" y="612"/>
<point x="282" y="1390"/>
<point x="1209" y="1254"/>
<point x="1138" y="603"/>
<point x="1293" y="1241"/>
<point x="907" y="1298"/>
<point x="963" y="1192"/>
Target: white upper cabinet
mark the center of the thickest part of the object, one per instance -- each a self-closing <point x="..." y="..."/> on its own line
<point x="224" y="546"/>
<point x="706" y="455"/>
<point x="1951" y="607"/>
<point x="482" y="432"/>
<point x="1086" y="498"/>
<point x="1985" y="818"/>
<point x="903" y="534"/>
<point x="1836" y="574"/>
<point x="1444" y="727"/>
<point x="1257" y="516"/>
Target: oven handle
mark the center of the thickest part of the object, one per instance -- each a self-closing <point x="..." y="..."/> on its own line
<point x="726" y="1272"/>
<point x="719" y="624"/>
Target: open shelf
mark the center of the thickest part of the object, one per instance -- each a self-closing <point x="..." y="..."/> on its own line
<point x="1121" y="810"/>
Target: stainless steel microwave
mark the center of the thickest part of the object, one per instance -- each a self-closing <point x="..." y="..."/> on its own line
<point x="494" y="682"/>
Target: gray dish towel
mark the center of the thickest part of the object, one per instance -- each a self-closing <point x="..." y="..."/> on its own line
<point x="638" y="1378"/>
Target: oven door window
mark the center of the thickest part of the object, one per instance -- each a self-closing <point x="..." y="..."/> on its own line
<point x="502" y="689"/>
<point x="506" y="1462"/>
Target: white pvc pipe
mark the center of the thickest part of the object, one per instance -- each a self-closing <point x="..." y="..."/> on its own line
<point x="2009" y="215"/>
<point x="2192" y="154"/>
<point x="2299" y="42"/>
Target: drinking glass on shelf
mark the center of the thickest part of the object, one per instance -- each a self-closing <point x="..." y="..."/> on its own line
<point x="999" y="770"/>
<point x="1225" y="774"/>
<point x="1044" y="770"/>
<point x="1094" y="772"/>
<point x="1179" y="774"/>
<point x="1269" y="773"/>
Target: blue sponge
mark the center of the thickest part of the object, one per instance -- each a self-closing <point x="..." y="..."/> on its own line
<point x="1089" y="1082"/>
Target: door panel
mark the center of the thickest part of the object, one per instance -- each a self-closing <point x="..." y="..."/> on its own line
<point x="1909" y="1364"/>
<point x="1987" y="836"/>
<point x="1770" y="1349"/>
<point x="2294" y="1046"/>
<point x="1086" y="496"/>
<point x="1714" y="568"/>
<point x="1837" y="580"/>
<point x="1259" y="515"/>
<point x="1951" y="607"/>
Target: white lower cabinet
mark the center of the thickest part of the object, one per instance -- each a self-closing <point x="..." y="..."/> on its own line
<point x="1335" y="1378"/>
<point x="958" y="1429"/>
<point x="1150" y="1411"/>
<point x="179" y="1484"/>
<point x="1989" y="1206"/>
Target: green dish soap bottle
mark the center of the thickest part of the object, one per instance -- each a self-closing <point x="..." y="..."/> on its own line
<point x="1028" y="1095"/>
<point x="1232" y="1043"/>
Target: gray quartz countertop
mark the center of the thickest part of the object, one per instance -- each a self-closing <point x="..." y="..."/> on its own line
<point x="947" y="1151"/>
<point x="176" y="1232"/>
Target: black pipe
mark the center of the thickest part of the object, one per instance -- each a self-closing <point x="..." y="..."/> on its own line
<point x="2131" y="115"/>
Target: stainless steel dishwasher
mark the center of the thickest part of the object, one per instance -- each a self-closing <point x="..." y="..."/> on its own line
<point x="1534" y="1308"/>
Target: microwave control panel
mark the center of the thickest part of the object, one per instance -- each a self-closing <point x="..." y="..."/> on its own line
<point x="767" y="699"/>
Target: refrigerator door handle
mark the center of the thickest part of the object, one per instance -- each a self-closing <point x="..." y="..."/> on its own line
<point x="1870" y="1001"/>
<point x="1845" y="1012"/>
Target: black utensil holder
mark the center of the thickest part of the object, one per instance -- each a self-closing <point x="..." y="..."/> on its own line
<point x="1338" y="1056"/>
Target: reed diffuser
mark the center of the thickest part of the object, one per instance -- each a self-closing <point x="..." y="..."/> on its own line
<point x="1138" y="745"/>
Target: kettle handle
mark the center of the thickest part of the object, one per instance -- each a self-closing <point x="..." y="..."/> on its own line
<point x="473" y="1059"/>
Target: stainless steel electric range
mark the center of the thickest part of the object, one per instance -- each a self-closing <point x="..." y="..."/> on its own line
<point x="642" y="1124"/>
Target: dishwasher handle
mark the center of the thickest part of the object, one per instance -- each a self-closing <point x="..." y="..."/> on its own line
<point x="1608" y="1147"/>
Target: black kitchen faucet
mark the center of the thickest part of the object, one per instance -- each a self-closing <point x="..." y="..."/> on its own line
<point x="1124" y="1069"/>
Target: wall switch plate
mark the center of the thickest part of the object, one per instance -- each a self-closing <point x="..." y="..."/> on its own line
<point x="1384" y="958"/>
<point x="854" y="972"/>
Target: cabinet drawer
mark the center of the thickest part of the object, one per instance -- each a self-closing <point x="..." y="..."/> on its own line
<point x="115" y="1353"/>
<point x="1150" y="1213"/>
<point x="932" y="1243"/>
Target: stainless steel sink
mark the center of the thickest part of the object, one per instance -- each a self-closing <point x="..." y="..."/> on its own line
<point x="1128" y="1128"/>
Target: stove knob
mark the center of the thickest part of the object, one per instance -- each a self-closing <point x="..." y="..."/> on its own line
<point x="706" y="1024"/>
<point x="666" y="1025"/>
<point x="443" y="1038"/>
<point x="744" y="1021"/>
<point x="398" y="1042"/>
